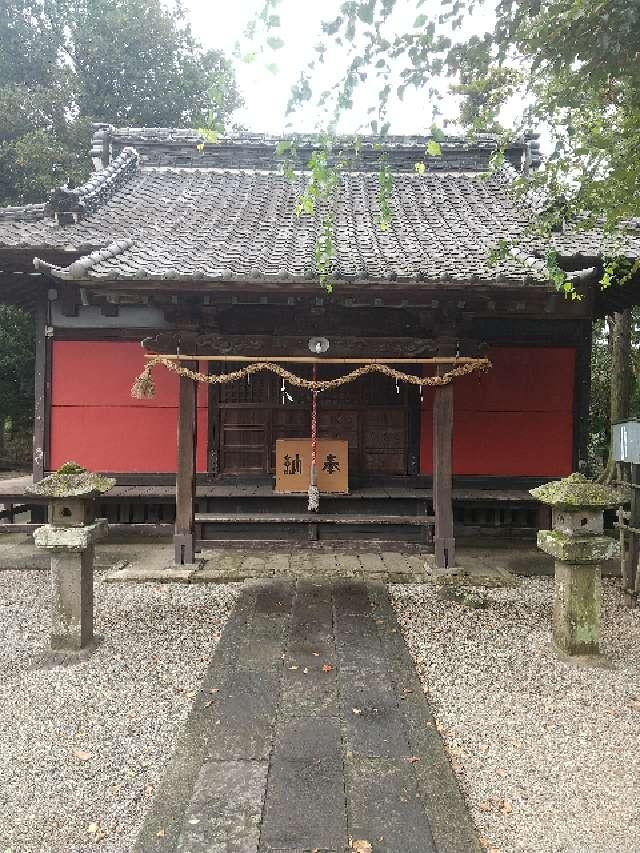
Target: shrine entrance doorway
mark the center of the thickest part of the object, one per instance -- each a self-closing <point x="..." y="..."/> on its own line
<point x="372" y="414"/>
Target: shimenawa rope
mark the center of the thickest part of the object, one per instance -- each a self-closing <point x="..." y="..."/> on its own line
<point x="144" y="388"/>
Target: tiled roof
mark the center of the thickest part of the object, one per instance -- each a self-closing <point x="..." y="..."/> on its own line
<point x="136" y="221"/>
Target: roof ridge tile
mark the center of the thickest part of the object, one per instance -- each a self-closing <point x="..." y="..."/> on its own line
<point x="79" y="268"/>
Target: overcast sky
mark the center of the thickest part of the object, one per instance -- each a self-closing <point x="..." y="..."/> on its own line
<point x="221" y="24"/>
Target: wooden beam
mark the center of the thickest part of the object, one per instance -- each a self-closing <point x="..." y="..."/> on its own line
<point x="342" y="345"/>
<point x="437" y="360"/>
<point x="445" y="546"/>
<point x="185" y="472"/>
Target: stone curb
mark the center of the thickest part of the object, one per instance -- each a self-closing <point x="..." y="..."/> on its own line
<point x="162" y="825"/>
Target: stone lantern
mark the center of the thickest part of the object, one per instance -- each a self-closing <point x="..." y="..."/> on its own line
<point x="578" y="543"/>
<point x="70" y="537"/>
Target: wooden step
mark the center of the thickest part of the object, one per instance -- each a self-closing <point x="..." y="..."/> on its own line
<point x="310" y="518"/>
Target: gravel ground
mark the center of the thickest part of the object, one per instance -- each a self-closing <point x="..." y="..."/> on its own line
<point x="548" y="753"/>
<point x="83" y="747"/>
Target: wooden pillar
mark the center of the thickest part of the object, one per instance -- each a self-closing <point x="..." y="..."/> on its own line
<point x="40" y="385"/>
<point x="582" y="392"/>
<point x="630" y="573"/>
<point x="414" y="429"/>
<point x="445" y="545"/>
<point x="185" y="473"/>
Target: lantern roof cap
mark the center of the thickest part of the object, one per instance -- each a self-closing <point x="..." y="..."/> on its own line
<point x="72" y="481"/>
<point x="576" y="491"/>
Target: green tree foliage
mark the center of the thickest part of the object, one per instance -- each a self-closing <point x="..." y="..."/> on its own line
<point x="138" y="64"/>
<point x="16" y="368"/>
<point x="571" y="65"/>
<point x="64" y="64"/>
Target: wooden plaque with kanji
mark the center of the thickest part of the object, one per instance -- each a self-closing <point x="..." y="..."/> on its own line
<point x="293" y="465"/>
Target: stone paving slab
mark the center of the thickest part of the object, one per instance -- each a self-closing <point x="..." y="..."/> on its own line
<point x="310" y="730"/>
<point x="305" y="805"/>
<point x="225" y="811"/>
<point x="244" y="709"/>
<point x="385" y="807"/>
<point x="372" y="723"/>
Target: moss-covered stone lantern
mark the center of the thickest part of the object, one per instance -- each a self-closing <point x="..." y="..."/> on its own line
<point x="70" y="537"/>
<point x="578" y="543"/>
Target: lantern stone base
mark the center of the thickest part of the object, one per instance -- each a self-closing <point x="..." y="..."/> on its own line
<point x="72" y="558"/>
<point x="72" y="599"/>
<point x="576" y="608"/>
<point x="578" y="588"/>
<point x="577" y="549"/>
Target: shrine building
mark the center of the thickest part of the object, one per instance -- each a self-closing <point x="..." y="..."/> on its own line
<point x="194" y="250"/>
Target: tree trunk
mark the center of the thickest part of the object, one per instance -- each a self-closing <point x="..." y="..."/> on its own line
<point x="620" y="343"/>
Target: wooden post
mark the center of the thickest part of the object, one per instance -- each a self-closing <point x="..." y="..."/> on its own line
<point x="413" y="431"/>
<point x="631" y="579"/>
<point x="582" y="391"/>
<point x="39" y="413"/>
<point x="445" y="544"/>
<point x="185" y="472"/>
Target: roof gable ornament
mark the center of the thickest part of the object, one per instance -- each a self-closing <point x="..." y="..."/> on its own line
<point x="69" y="205"/>
<point x="65" y="205"/>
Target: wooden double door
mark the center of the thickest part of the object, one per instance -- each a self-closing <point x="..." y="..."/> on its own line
<point x="370" y="413"/>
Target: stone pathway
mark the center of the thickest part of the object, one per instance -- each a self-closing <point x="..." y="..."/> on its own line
<point x="310" y="733"/>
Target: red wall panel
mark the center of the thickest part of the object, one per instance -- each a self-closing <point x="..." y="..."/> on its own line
<point x="514" y="420"/>
<point x="101" y="373"/>
<point x="96" y="422"/>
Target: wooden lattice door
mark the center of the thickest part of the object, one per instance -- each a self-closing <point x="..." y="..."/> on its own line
<point x="370" y="413"/>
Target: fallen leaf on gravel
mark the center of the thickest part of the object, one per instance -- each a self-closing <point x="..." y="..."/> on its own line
<point x="327" y="667"/>
<point x="94" y="829"/>
<point x="160" y="833"/>
<point x="357" y="711"/>
<point x="82" y="755"/>
<point x="361" y="847"/>
<point x="485" y="806"/>
<point x="412" y="759"/>
<point x="506" y="807"/>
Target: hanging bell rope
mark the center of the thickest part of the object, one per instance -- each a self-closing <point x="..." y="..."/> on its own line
<point x="313" y="504"/>
<point x="144" y="388"/>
